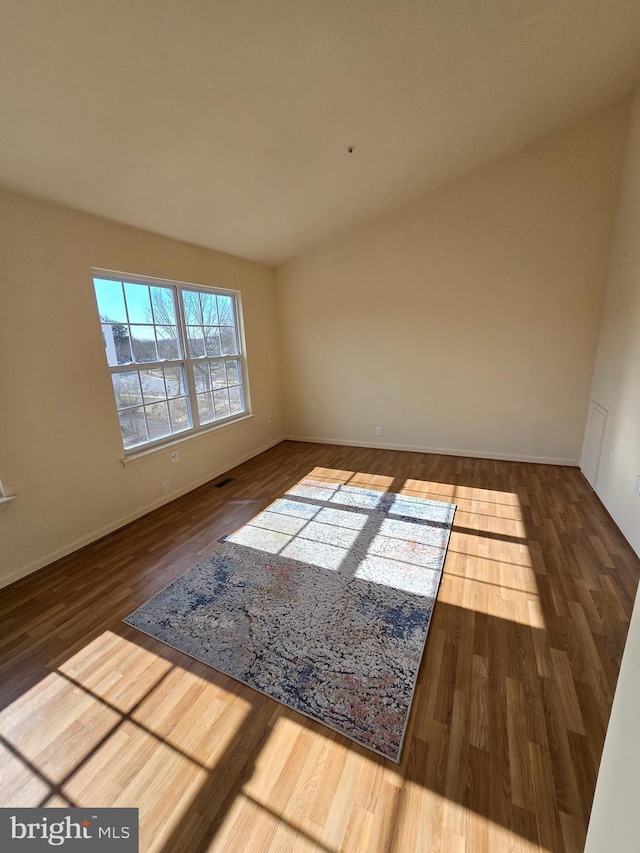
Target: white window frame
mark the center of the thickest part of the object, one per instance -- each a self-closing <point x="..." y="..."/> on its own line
<point x="184" y="359"/>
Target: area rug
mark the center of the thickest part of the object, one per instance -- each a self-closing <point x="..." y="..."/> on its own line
<point x="323" y="602"/>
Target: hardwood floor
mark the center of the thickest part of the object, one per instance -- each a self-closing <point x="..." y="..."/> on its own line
<point x="508" y="722"/>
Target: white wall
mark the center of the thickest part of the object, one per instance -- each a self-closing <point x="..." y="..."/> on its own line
<point x="60" y="442"/>
<point x="616" y="379"/>
<point x="466" y="322"/>
<point x="615" y="817"/>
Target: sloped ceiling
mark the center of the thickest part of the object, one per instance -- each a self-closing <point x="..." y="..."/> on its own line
<point x="227" y="123"/>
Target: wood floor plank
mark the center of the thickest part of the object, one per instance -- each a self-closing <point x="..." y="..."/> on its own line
<point x="566" y="687"/>
<point x="510" y="710"/>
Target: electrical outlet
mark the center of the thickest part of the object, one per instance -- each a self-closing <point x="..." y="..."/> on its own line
<point x="269" y="418"/>
<point x="174" y="456"/>
<point x="166" y="487"/>
<point x="610" y="455"/>
<point x="378" y="430"/>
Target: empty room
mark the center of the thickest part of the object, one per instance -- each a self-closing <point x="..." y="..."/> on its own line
<point x="319" y="426"/>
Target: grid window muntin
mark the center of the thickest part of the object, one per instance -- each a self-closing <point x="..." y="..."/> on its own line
<point x="161" y="340"/>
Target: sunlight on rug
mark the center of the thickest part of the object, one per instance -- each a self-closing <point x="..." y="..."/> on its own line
<point x="322" y="602"/>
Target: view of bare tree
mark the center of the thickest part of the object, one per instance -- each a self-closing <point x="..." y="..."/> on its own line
<point x="152" y="400"/>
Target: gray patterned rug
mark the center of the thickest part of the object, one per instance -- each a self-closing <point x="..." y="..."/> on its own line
<point x="323" y="602"/>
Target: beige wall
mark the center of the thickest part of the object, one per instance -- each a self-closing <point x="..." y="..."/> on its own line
<point x="615" y="818"/>
<point x="60" y="441"/>
<point x="466" y="322"/>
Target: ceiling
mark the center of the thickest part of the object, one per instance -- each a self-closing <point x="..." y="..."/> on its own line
<point x="226" y="123"/>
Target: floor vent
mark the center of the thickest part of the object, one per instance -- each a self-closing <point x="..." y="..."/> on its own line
<point x="222" y="483"/>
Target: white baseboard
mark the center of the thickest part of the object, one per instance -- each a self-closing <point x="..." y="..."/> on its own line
<point x="474" y="454"/>
<point x="88" y="538"/>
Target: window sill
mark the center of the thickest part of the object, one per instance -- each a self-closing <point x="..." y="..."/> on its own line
<point x="138" y="456"/>
<point x="5" y="501"/>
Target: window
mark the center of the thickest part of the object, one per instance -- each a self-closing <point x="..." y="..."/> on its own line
<point x="175" y="355"/>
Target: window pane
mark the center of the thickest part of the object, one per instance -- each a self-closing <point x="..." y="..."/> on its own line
<point x="191" y="304"/>
<point x="126" y="387"/>
<point x="228" y="341"/>
<point x="143" y="323"/>
<point x="205" y="408"/>
<point x="201" y="377"/>
<point x="209" y="309"/>
<point x="211" y="340"/>
<point x="158" y="421"/>
<point x="167" y="337"/>
<point x="235" y="400"/>
<point x="221" y="402"/>
<point x="138" y="304"/>
<point x="218" y="376"/>
<point x="152" y="382"/>
<point x="116" y="343"/>
<point x="164" y="309"/>
<point x="225" y="310"/>
<point x="233" y="373"/>
<point x="110" y="300"/>
<point x="179" y="414"/>
<point x="133" y="426"/>
<point x="174" y="381"/>
<point x="143" y="343"/>
<point x="196" y="342"/>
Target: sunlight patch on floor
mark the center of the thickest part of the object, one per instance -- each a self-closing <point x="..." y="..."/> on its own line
<point x="116" y="669"/>
<point x="501" y="601"/>
<point x="317" y="783"/>
<point x="429" y="489"/>
<point x="409" y="577"/>
<point x="361" y="479"/>
<point x="490" y="526"/>
<point x="484" y="510"/>
<point x="251" y="825"/>
<point x="499" y="573"/>
<point x="301" y="531"/>
<point x="54" y="748"/>
<point x="57" y="802"/>
<point x="133" y="767"/>
<point x="191" y="715"/>
<point x="356" y="497"/>
<point x="490" y="567"/>
<point x="27" y="787"/>
<point x="307" y="526"/>
<point x="277" y="799"/>
<point x="173" y="725"/>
